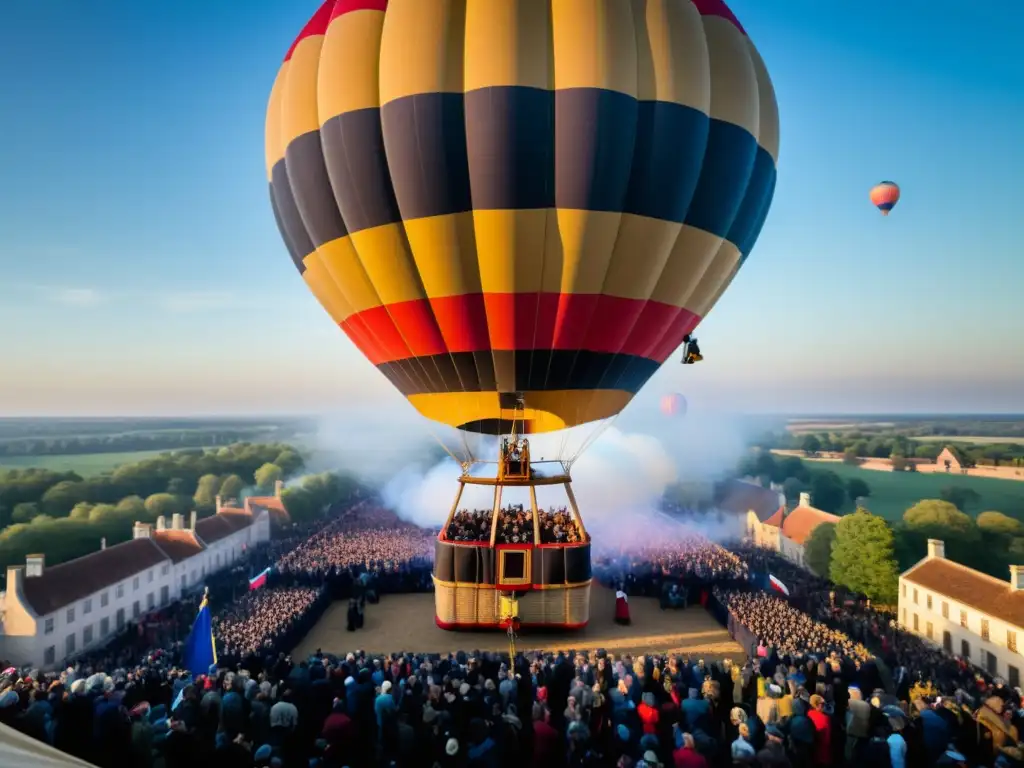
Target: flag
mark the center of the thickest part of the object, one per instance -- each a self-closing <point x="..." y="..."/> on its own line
<point x="777" y="585"/>
<point x="259" y="579"/>
<point x="199" y="651"/>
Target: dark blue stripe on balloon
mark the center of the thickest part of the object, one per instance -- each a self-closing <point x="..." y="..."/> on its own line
<point x="728" y="165"/>
<point x="745" y="226"/>
<point x="885" y="206"/>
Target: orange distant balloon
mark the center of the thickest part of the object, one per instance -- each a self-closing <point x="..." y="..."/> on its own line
<point x="673" y="405"/>
<point x="885" y="195"/>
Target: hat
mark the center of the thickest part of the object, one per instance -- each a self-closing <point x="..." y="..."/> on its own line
<point x="350" y="680"/>
<point x="773" y="731"/>
<point x="622" y="732"/>
<point x="452" y="747"/>
<point x="650" y="758"/>
<point x="263" y="753"/>
<point x="464" y="689"/>
<point x="385" y="687"/>
<point x="9" y="699"/>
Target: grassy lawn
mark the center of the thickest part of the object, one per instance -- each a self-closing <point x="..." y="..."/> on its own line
<point x="85" y="464"/>
<point x="892" y="493"/>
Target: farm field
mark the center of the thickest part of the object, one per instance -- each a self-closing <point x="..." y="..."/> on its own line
<point x="979" y="439"/>
<point x="85" y="464"/>
<point x="892" y="493"/>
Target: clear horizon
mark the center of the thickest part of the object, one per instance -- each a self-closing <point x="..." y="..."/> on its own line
<point x="143" y="273"/>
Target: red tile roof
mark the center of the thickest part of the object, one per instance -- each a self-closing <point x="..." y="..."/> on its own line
<point x="272" y="504"/>
<point x="62" y="585"/>
<point x="776" y="518"/>
<point x="740" y="497"/>
<point x="971" y="588"/>
<point x="801" y="521"/>
<point x="178" y="545"/>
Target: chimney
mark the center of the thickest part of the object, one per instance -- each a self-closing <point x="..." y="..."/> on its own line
<point x="140" y="530"/>
<point x="805" y="499"/>
<point x="1016" y="578"/>
<point x="34" y="565"/>
<point x="217" y="503"/>
<point x="15" y="574"/>
<point x="936" y="548"/>
<point x="161" y="523"/>
<point x="177" y="521"/>
<point x="278" y="487"/>
<point x="103" y="543"/>
<point x="192" y="521"/>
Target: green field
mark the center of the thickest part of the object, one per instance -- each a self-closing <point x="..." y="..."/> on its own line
<point x="85" y="464"/>
<point x="977" y="439"/>
<point x="892" y="493"/>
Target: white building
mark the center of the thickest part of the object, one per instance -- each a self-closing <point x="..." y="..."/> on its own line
<point x="966" y="612"/>
<point x="786" y="531"/>
<point x="747" y="505"/>
<point x="53" y="613"/>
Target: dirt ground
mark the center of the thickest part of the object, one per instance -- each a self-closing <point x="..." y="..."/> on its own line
<point x="406" y="623"/>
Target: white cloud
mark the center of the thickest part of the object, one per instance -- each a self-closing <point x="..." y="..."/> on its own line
<point x="197" y="301"/>
<point x="75" y="297"/>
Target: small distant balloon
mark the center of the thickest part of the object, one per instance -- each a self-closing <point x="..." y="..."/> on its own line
<point x="885" y="195"/>
<point x="673" y="405"/>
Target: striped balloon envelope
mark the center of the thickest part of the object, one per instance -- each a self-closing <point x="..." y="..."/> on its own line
<point x="673" y="404"/>
<point x="520" y="203"/>
<point x="885" y="195"/>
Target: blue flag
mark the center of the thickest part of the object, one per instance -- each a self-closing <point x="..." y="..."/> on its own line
<point x="200" y="651"/>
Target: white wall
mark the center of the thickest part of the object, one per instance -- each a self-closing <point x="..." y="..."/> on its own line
<point x="1006" y="660"/>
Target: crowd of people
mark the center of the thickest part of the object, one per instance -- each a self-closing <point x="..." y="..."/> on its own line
<point x="514" y="526"/>
<point x="827" y="679"/>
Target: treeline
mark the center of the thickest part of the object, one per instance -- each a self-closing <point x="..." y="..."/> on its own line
<point x="829" y="492"/>
<point x="128" y="442"/>
<point x="865" y="553"/>
<point x="861" y="445"/>
<point x="64" y="515"/>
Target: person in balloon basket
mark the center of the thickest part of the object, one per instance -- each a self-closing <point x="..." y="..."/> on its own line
<point x="621" y="607"/>
<point x="691" y="352"/>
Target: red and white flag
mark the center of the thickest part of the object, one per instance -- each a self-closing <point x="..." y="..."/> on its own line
<point x="777" y="585"/>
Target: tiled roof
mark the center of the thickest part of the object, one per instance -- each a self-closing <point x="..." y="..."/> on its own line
<point x="62" y="585"/>
<point x="777" y="517"/>
<point x="971" y="588"/>
<point x="799" y="523"/>
<point x="211" y="529"/>
<point x="178" y="545"/>
<point x="272" y="504"/>
<point x="740" y="497"/>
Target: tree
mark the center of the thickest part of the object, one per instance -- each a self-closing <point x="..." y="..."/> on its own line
<point x="998" y="524"/>
<point x="792" y="488"/>
<point x="856" y="488"/>
<point x="862" y="557"/>
<point x="818" y="548"/>
<point x="850" y="457"/>
<point x="960" y="497"/>
<point x="828" y="491"/>
<point x="232" y="487"/>
<point x="25" y="512"/>
<point x="81" y="511"/>
<point x="266" y="476"/>
<point x="810" y="444"/>
<point x="163" y="504"/>
<point x="939" y="519"/>
<point x="178" y="486"/>
<point x="206" y="491"/>
<point x="59" y="499"/>
<point x="289" y="461"/>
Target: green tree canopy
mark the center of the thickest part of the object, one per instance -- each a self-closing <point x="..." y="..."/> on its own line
<point x="25" y="512"/>
<point x="818" y="548"/>
<point x="828" y="491"/>
<point x="792" y="488"/>
<point x="960" y="497"/>
<point x="206" y="491"/>
<point x="163" y="504"/>
<point x="940" y="520"/>
<point x="810" y="444"/>
<point x="999" y="524"/>
<point x="856" y="488"/>
<point x="232" y="487"/>
<point x="863" y="558"/>
<point x="266" y="476"/>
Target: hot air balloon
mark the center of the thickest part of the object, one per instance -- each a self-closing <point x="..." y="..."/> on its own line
<point x="885" y="195"/>
<point x="673" y="404"/>
<point x="517" y="209"/>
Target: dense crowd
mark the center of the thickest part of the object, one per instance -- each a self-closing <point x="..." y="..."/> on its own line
<point x="830" y="681"/>
<point x="514" y="526"/>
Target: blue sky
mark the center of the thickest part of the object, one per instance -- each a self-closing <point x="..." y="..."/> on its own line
<point x="141" y="271"/>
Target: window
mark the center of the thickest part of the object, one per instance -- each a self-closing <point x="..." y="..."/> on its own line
<point x="984" y="629"/>
<point x="963" y="619"/>
<point x="87" y="635"/>
<point x="904" y="590"/>
<point x="928" y="630"/>
<point x="165" y="594"/>
<point x="1011" y="641"/>
<point x="915" y="623"/>
<point x="69" y="644"/>
<point x="48" y="627"/>
<point x="71" y="615"/>
<point x="135" y="584"/>
<point x="136" y="609"/>
<point x="904" y="617"/>
<point x="1014" y="675"/>
<point x="87" y="605"/>
<point x="150" y="601"/>
<point x="104" y="599"/>
<point x="165" y="570"/>
<point x="149" y="576"/>
<point x="945" y="609"/>
<point x="928" y="600"/>
<point x="915" y="597"/>
<point x="50" y="655"/>
<point x="104" y="626"/>
<point x="195" y="577"/>
<point x="120" y="619"/>
<point x="947" y="642"/>
<point x="965" y="649"/>
<point x="120" y="591"/>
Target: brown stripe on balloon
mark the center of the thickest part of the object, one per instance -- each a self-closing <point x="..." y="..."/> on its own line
<point x="289" y="218"/>
<point x="293" y="251"/>
<point x="311" y="188"/>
